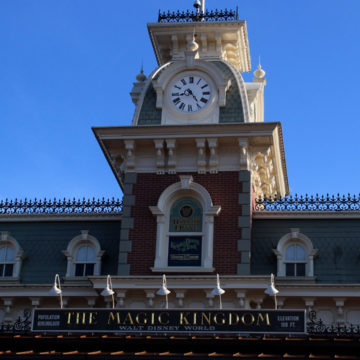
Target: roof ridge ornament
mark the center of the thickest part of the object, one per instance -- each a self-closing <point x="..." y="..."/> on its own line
<point x="259" y="72"/>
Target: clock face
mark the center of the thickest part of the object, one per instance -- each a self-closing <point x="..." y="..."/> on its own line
<point x="190" y="94"/>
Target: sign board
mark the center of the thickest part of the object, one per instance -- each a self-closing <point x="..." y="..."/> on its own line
<point x="169" y="321"/>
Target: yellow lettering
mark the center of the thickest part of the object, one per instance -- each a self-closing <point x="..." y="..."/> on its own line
<point x="250" y="318"/>
<point x="183" y="319"/>
<point x="129" y="319"/>
<point x="111" y="317"/>
<point x="77" y="318"/>
<point x="237" y="319"/>
<point x="194" y="318"/>
<point x="160" y="318"/>
<point x="92" y="318"/>
<point x="222" y="319"/>
<point x="152" y="318"/>
<point x="261" y="318"/>
<point x="205" y="318"/>
<point x="69" y="317"/>
<point x="141" y="318"/>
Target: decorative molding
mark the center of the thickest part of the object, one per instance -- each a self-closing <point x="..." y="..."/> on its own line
<point x="160" y="156"/>
<point x="171" y="162"/>
<point x="213" y="160"/>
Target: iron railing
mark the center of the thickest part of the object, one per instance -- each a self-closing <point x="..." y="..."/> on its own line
<point x="310" y="203"/>
<point x="316" y="326"/>
<point x="57" y="206"/>
<point x="21" y="325"/>
<point x="192" y="16"/>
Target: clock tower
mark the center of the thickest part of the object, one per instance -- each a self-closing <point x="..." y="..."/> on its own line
<point x="197" y="153"/>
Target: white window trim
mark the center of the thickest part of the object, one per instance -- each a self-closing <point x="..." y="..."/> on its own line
<point x="295" y="237"/>
<point x="83" y="239"/>
<point x="6" y="239"/>
<point x="184" y="188"/>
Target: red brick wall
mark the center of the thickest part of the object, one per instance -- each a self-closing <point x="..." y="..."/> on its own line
<point x="223" y="188"/>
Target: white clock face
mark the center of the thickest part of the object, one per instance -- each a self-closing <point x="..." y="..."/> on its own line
<point x="190" y="94"/>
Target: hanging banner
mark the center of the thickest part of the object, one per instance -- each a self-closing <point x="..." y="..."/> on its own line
<point x="169" y="321"/>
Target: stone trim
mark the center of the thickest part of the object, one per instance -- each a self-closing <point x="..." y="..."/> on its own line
<point x="244" y="221"/>
<point x="127" y="223"/>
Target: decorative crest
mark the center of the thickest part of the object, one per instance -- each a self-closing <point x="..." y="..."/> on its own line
<point x="309" y="203"/>
<point x="191" y="16"/>
<point x="57" y="207"/>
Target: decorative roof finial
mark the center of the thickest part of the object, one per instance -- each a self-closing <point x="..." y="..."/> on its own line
<point x="259" y="72"/>
<point x="192" y="45"/>
<point x="141" y="77"/>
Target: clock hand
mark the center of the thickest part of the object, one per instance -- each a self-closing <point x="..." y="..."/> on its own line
<point x="191" y="93"/>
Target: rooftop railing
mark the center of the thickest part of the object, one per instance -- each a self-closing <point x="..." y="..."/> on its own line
<point x="58" y="206"/>
<point x="193" y="16"/>
<point x="309" y="203"/>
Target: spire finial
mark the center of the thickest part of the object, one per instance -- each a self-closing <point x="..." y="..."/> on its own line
<point x="141" y="77"/>
<point x="259" y="72"/>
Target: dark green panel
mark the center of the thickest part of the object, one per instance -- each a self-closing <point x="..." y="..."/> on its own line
<point x="43" y="243"/>
<point x="149" y="114"/>
<point x="338" y="242"/>
<point x="233" y="111"/>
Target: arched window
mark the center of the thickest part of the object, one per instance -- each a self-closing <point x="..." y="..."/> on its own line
<point x="185" y="233"/>
<point x="83" y="256"/>
<point x="11" y="256"/>
<point x="85" y="261"/>
<point x="295" y="255"/>
<point x="7" y="261"/>
<point x="185" y="224"/>
<point x="295" y="260"/>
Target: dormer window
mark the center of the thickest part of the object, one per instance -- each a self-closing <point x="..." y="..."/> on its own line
<point x="11" y="256"/>
<point x="295" y="260"/>
<point x="83" y="256"/>
<point x="295" y="255"/>
<point x="7" y="261"/>
<point x="85" y="261"/>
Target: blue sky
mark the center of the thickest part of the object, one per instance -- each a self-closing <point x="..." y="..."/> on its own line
<point x="68" y="65"/>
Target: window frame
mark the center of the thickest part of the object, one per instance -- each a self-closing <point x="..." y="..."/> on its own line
<point x="84" y="239"/>
<point x="186" y="187"/>
<point x="8" y="241"/>
<point x="295" y="238"/>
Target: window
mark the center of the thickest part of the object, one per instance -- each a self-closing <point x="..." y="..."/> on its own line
<point x="185" y="233"/>
<point x="295" y="255"/>
<point x="85" y="261"/>
<point x="295" y="260"/>
<point x="185" y="223"/>
<point x="83" y="256"/>
<point x="7" y="261"/>
<point x="11" y="256"/>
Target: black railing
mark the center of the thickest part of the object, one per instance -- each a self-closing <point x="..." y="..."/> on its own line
<point x="192" y="16"/>
<point x="21" y="325"/>
<point x="56" y="206"/>
<point x="310" y="203"/>
<point x="318" y="327"/>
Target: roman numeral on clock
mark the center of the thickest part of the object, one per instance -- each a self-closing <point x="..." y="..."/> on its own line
<point x="189" y="108"/>
<point x="206" y="93"/>
<point x="204" y="86"/>
<point x="191" y="79"/>
<point x="183" y="81"/>
<point x="182" y="106"/>
<point x="176" y="101"/>
<point x="176" y="94"/>
<point x="203" y="100"/>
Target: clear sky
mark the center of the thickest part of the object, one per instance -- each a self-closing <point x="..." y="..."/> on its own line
<point x="68" y="65"/>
